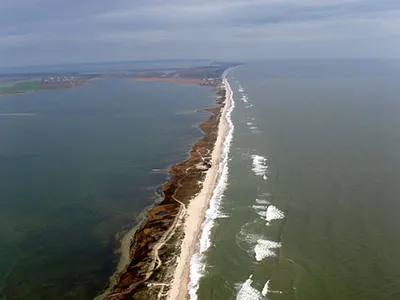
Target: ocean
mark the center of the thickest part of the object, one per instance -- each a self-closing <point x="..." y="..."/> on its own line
<point x="75" y="174"/>
<point x="311" y="201"/>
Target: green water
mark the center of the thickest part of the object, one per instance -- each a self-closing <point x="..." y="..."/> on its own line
<point x="331" y="134"/>
<point x="75" y="170"/>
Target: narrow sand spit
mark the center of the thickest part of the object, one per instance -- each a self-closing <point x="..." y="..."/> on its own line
<point x="196" y="210"/>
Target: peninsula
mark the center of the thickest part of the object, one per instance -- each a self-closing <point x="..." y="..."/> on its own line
<point x="162" y="246"/>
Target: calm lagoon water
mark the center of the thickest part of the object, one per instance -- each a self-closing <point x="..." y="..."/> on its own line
<point x="75" y="170"/>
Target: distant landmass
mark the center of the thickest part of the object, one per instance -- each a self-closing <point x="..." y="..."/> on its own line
<point x="31" y="79"/>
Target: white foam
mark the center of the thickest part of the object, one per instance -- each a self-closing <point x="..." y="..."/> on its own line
<point x="245" y="99"/>
<point x="240" y="89"/>
<point x="247" y="292"/>
<point x="265" y="289"/>
<point x="265" y="248"/>
<point x="197" y="263"/>
<point x="222" y="215"/>
<point x="273" y="213"/>
<point x="261" y="210"/>
<point x="262" y="207"/>
<point x="262" y="214"/>
<point x="259" y="165"/>
<point x="249" y="123"/>
<point x="261" y="201"/>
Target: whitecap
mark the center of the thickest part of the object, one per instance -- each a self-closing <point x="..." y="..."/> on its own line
<point x="262" y="207"/>
<point x="247" y="292"/>
<point x="262" y="201"/>
<point x="222" y="215"/>
<point x="265" y="289"/>
<point x="273" y="213"/>
<point x="265" y="248"/>
<point x="262" y="214"/>
<point x="259" y="165"/>
<point x="261" y="210"/>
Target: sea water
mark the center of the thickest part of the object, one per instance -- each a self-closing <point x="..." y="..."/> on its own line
<point x="310" y="207"/>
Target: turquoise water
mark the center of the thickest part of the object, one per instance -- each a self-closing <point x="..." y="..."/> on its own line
<point x="326" y="137"/>
<point x="75" y="169"/>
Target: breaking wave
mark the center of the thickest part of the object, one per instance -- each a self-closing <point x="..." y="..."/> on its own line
<point x="260" y="167"/>
<point x="267" y="211"/>
<point x="265" y="248"/>
<point x="262" y="201"/>
<point x="273" y="213"/>
<point x="247" y="292"/>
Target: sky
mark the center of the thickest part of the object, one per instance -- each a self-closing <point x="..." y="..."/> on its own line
<point x="36" y="32"/>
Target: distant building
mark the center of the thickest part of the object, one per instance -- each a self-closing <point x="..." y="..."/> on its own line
<point x="208" y="81"/>
<point x="61" y="80"/>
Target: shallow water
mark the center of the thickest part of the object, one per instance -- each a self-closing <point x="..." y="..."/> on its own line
<point x="312" y="197"/>
<point x="75" y="169"/>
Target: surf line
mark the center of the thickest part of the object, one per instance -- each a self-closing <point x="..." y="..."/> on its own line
<point x="197" y="262"/>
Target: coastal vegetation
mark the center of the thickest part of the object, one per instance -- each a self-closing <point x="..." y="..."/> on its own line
<point x="9" y="87"/>
<point x="13" y="86"/>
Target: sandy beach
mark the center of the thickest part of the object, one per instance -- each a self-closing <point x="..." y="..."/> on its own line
<point x="196" y="210"/>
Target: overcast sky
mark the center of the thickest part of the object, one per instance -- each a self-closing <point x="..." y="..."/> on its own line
<point x="36" y="32"/>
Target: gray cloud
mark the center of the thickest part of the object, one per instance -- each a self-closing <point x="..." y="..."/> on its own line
<point x="54" y="31"/>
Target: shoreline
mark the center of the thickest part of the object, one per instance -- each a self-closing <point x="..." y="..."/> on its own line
<point x="155" y="244"/>
<point x="197" y="208"/>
